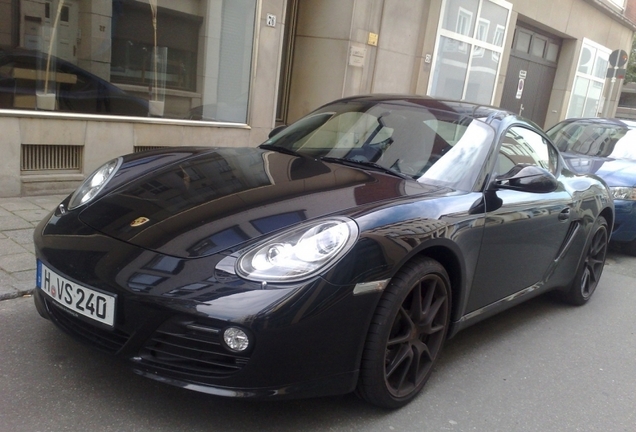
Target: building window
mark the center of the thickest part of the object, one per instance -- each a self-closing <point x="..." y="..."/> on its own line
<point x="469" y="46"/>
<point x="589" y="80"/>
<point x="619" y="3"/>
<point x="190" y="59"/>
<point x="533" y="45"/>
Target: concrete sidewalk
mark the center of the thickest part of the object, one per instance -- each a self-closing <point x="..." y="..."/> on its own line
<point x="18" y="217"/>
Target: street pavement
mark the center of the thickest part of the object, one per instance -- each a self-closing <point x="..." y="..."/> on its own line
<point x="18" y="218"/>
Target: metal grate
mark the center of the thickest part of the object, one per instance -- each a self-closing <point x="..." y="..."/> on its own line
<point x="36" y="157"/>
<point x="139" y="149"/>
<point x="108" y="341"/>
<point x="190" y="350"/>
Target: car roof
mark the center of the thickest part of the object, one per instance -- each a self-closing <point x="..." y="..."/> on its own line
<point x="604" y="121"/>
<point x="468" y="109"/>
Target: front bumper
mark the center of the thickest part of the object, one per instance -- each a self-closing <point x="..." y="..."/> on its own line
<point x="307" y="340"/>
<point x="625" y="224"/>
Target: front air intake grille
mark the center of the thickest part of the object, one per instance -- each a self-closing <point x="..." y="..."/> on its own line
<point x="190" y="349"/>
<point x="51" y="158"/>
<point x="106" y="340"/>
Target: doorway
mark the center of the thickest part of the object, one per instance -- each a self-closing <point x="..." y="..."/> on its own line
<point x="530" y="75"/>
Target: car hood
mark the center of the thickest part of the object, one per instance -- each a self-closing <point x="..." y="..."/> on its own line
<point x="615" y="172"/>
<point x="219" y="199"/>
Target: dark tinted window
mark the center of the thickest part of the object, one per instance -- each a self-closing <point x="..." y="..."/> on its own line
<point x="523" y="146"/>
<point x="430" y="145"/>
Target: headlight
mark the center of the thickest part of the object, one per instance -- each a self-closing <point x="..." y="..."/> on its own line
<point x="623" y="193"/>
<point x="298" y="253"/>
<point x="94" y="183"/>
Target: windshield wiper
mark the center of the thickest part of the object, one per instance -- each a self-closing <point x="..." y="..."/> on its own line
<point x="279" y="149"/>
<point x="365" y="164"/>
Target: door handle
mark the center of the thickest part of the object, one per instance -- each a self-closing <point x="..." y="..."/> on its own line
<point x="564" y="215"/>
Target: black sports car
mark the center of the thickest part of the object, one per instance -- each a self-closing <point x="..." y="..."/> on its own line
<point x="339" y="255"/>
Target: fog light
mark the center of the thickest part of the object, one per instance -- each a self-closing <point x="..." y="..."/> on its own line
<point x="236" y="339"/>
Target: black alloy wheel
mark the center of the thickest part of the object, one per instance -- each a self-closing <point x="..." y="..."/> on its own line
<point x="406" y="334"/>
<point x="591" y="267"/>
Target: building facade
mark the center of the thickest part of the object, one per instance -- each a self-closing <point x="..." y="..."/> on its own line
<point x="83" y="81"/>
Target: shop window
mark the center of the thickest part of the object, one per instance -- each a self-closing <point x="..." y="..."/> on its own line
<point x="133" y="42"/>
<point x="188" y="60"/>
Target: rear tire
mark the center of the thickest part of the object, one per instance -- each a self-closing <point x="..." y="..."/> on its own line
<point x="591" y="267"/>
<point x="406" y="334"/>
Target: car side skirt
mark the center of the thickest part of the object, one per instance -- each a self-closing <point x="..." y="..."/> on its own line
<point x="499" y="306"/>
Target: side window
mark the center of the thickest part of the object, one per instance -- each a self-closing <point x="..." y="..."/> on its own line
<point x="523" y="146"/>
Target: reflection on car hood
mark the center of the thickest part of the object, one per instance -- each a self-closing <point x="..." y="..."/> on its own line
<point x="615" y="172"/>
<point x="222" y="198"/>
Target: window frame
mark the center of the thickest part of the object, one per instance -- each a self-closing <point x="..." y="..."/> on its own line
<point x="472" y="44"/>
<point x="598" y="49"/>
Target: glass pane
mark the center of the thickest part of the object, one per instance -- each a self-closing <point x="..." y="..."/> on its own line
<point x="522" y="41"/>
<point x="529" y="147"/>
<point x="98" y="57"/>
<point x="450" y="70"/>
<point x="460" y="16"/>
<point x="601" y="65"/>
<point x="553" y="52"/>
<point x="538" y="46"/>
<point x="592" y="100"/>
<point x="482" y="30"/>
<point x="497" y="16"/>
<point x="579" y="93"/>
<point x="482" y="76"/>
<point x="587" y="59"/>
<point x="428" y="145"/>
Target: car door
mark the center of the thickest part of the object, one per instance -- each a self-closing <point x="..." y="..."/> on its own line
<point x="523" y="231"/>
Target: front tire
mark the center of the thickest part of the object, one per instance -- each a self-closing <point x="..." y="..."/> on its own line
<point x="406" y="334"/>
<point x="591" y="267"/>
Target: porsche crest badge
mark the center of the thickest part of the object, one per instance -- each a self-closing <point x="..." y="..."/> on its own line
<point x="139" y="221"/>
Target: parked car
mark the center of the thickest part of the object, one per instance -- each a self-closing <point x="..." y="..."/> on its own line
<point x="76" y="89"/>
<point x="607" y="148"/>
<point x="339" y="255"/>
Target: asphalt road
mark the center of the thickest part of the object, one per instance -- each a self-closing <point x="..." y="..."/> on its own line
<point x="542" y="366"/>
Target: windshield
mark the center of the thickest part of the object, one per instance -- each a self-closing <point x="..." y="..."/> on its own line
<point x="613" y="140"/>
<point x="428" y="145"/>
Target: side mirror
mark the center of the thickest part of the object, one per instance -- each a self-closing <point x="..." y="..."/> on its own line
<point x="276" y="130"/>
<point x="527" y="178"/>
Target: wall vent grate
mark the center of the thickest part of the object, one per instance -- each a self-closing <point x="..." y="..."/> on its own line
<point x="36" y="157"/>
<point x="139" y="149"/>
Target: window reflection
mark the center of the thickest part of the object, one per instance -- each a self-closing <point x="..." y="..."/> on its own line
<point x="523" y="146"/>
<point x="590" y="79"/>
<point x="113" y="57"/>
<point x="470" y="46"/>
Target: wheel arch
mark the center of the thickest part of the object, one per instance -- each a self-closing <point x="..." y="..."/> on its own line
<point x="455" y="267"/>
<point x="608" y="214"/>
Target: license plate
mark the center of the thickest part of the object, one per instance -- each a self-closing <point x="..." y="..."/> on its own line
<point x="76" y="298"/>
